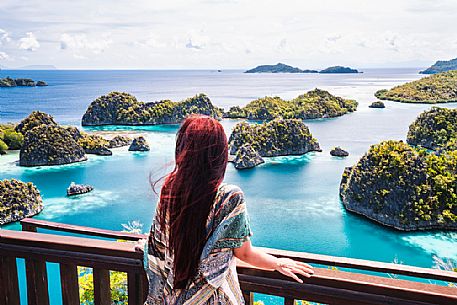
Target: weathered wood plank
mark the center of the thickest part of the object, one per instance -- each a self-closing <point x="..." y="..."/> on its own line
<point x="37" y="282"/>
<point x="135" y="288"/>
<point x="69" y="284"/>
<point x="289" y="301"/>
<point x="9" y="294"/>
<point x="30" y="224"/>
<point x="102" y="290"/>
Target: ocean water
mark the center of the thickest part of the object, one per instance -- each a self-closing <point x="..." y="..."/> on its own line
<point x="293" y="202"/>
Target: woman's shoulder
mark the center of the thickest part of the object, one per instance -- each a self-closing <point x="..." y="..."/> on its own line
<point x="226" y="188"/>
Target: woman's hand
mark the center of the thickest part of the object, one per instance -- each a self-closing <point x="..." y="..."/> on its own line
<point x="139" y="245"/>
<point x="291" y="268"/>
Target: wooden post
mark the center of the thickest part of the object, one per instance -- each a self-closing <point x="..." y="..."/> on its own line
<point x="37" y="282"/>
<point x="289" y="301"/>
<point x="248" y="297"/>
<point x="9" y="294"/>
<point x="102" y="291"/>
<point x="135" y="288"/>
<point x="69" y="284"/>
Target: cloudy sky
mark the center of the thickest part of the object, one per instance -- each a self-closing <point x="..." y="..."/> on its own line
<point x="189" y="34"/>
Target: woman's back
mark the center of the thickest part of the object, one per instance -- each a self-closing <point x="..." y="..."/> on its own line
<point x="216" y="280"/>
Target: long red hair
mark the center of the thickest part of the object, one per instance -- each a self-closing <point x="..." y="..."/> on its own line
<point x="188" y="192"/>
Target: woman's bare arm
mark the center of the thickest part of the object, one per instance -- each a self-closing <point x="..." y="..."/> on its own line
<point x="258" y="258"/>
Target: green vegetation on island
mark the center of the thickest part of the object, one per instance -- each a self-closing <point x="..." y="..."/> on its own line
<point x="338" y="69"/>
<point x="377" y="104"/>
<point x="311" y="105"/>
<point x="441" y="66"/>
<point x="409" y="186"/>
<point x="280" y="137"/>
<point x="18" y="200"/>
<point x="94" y="144"/>
<point x="278" y="68"/>
<point x="434" y="129"/>
<point x="437" y="88"/>
<point x="120" y="108"/>
<point x="10" y="139"/>
<point x="247" y="157"/>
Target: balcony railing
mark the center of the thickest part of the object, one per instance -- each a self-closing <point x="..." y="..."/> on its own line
<point x="328" y="285"/>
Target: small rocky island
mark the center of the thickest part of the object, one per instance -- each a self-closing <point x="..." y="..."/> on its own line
<point x="21" y="82"/>
<point x="441" y="66"/>
<point x="436" y="88"/>
<point x="139" y="144"/>
<point x="408" y="187"/>
<point x="338" y="69"/>
<point x="43" y="142"/>
<point x="338" y="152"/>
<point x="278" y="68"/>
<point x="18" y="200"/>
<point x="78" y="189"/>
<point x="377" y="104"/>
<point x="280" y="137"/>
<point x="311" y="105"/>
<point x="119" y="108"/>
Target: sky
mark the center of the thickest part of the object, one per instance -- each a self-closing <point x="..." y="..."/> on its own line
<point x="226" y="34"/>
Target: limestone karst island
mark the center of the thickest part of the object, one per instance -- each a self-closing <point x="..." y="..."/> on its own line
<point x="228" y="152"/>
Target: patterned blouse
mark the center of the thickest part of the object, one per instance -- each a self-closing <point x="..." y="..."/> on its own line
<point x="216" y="281"/>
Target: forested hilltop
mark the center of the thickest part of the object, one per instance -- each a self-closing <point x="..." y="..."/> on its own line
<point x="409" y="186"/>
<point x="120" y="108"/>
<point x="311" y="105"/>
<point x="437" y="88"/>
<point x="441" y="66"/>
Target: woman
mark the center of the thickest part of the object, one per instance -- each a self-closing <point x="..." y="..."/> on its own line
<point x="201" y="225"/>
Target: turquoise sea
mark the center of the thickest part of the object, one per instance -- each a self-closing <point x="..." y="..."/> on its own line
<point x="293" y="202"/>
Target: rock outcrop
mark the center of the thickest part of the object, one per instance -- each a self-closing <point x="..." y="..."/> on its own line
<point x="20" y="82"/>
<point x="280" y="137"/>
<point x="437" y="88"/>
<point x="403" y="187"/>
<point x="434" y="128"/>
<point x="18" y="200"/>
<point x="247" y="157"/>
<point x="119" y="141"/>
<point x="78" y="189"/>
<point x="118" y="108"/>
<point x="41" y="83"/>
<point x="50" y="145"/>
<point x="377" y="104"/>
<point x="36" y="118"/>
<point x="311" y="105"/>
<point x="139" y="144"/>
<point x="339" y="152"/>
<point x="94" y="144"/>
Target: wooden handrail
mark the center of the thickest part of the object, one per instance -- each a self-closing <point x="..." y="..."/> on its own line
<point x="30" y="224"/>
<point x="327" y="286"/>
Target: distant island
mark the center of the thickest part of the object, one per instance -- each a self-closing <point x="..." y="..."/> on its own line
<point x="280" y="137"/>
<point x="403" y="185"/>
<point x="441" y="66"/>
<point x="311" y="105"/>
<point x="283" y="68"/>
<point x="120" y="108"/>
<point x="436" y="88"/>
<point x="338" y="69"/>
<point x="21" y="82"/>
<point x="278" y="68"/>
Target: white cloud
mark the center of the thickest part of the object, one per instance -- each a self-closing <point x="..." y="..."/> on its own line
<point x="197" y="41"/>
<point x="80" y="42"/>
<point x="4" y="56"/>
<point x="29" y="42"/>
<point x="4" y="36"/>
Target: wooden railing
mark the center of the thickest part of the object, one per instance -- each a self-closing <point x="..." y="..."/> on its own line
<point x="327" y="285"/>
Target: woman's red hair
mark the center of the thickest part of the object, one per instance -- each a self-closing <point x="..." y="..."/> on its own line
<point x="189" y="191"/>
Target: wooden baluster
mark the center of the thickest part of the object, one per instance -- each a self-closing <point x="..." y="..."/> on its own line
<point x="248" y="297"/>
<point x="102" y="291"/>
<point x="28" y="227"/>
<point x="135" y="288"/>
<point x="69" y="284"/>
<point x="289" y="301"/>
<point x="37" y="282"/>
<point x="9" y="294"/>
